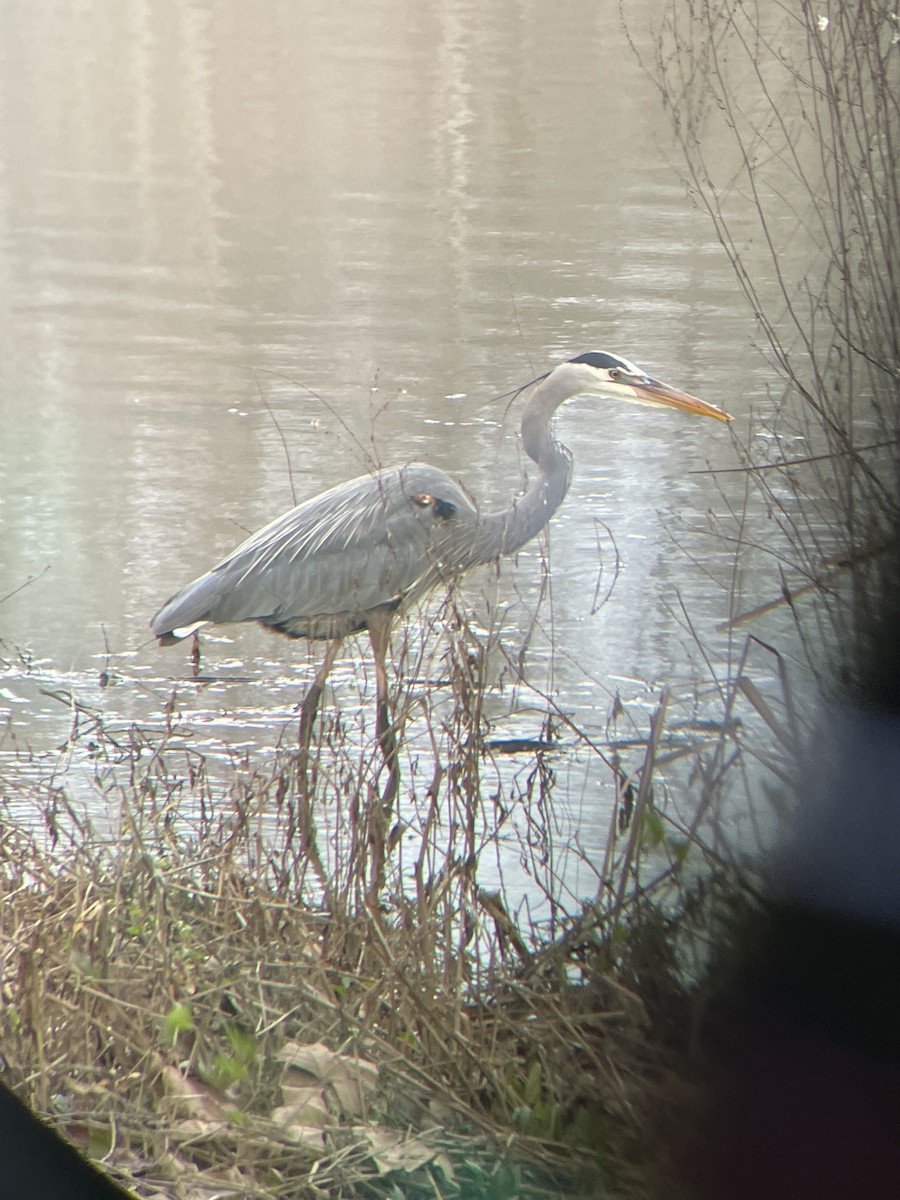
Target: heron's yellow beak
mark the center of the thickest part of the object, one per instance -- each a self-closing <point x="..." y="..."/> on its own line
<point x="652" y="391"/>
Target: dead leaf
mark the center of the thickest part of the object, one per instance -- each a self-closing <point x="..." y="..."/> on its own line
<point x="304" y="1135"/>
<point x="313" y="1057"/>
<point x="297" y="1093"/>
<point x="350" y="1081"/>
<point x="394" y="1151"/>
<point x="442" y="1112"/>
<point x="445" y="1166"/>
<point x="351" y="1093"/>
<point x="193" y="1127"/>
<point x="186" y="1098"/>
<point x="312" y="1110"/>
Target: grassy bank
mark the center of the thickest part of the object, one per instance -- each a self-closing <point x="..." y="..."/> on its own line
<point x="216" y="997"/>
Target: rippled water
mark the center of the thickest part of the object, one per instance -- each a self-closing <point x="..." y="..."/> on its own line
<point x="233" y="236"/>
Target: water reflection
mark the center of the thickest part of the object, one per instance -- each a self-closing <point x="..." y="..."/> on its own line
<point x="207" y="210"/>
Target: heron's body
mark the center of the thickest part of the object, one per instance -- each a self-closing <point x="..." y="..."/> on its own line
<point x="350" y="558"/>
<point x="318" y="571"/>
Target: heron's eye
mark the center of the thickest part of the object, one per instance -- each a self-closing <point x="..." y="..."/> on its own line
<point x="443" y="509"/>
<point x="614" y="372"/>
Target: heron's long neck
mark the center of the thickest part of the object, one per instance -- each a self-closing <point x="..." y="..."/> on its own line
<point x="528" y="514"/>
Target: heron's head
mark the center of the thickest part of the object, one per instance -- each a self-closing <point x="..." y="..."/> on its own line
<point x="599" y="373"/>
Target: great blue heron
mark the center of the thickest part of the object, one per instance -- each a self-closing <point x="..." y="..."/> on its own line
<point x="353" y="557"/>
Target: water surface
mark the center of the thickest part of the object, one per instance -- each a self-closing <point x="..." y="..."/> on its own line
<point x="248" y="251"/>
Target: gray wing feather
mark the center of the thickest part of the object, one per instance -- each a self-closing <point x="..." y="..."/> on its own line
<point x="317" y="570"/>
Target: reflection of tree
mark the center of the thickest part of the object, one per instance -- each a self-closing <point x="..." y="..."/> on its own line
<point x="807" y="108"/>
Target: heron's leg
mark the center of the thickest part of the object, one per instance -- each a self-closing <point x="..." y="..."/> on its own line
<point x="310" y="704"/>
<point x="380" y="635"/>
<point x="379" y="815"/>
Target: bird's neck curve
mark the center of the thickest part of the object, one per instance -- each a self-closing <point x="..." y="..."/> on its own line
<point x="529" y="513"/>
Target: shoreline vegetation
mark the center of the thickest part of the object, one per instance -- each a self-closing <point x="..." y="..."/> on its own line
<point x="206" y="997"/>
<point x="215" y="998"/>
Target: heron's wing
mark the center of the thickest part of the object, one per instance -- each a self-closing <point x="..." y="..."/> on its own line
<point x="317" y="570"/>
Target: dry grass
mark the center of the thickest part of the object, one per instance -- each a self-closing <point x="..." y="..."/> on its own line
<point x="278" y="987"/>
<point x="151" y="985"/>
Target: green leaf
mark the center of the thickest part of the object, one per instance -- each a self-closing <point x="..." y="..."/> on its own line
<point x="532" y="1092"/>
<point x="224" y="1071"/>
<point x="678" y="848"/>
<point x="177" y="1020"/>
<point x="653" y="829"/>
<point x="242" y="1044"/>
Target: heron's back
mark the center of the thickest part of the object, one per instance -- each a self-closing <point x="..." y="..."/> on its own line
<point x="377" y="541"/>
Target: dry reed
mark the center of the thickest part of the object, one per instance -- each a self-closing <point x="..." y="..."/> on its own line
<point x="278" y="988"/>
